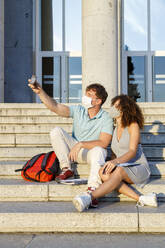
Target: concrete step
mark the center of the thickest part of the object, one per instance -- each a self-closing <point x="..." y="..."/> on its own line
<point x="154" y="119"/>
<point x="42" y="139"/>
<point x="24" y="153"/>
<point x="35" y="120"/>
<point x="7" y="169"/>
<point x="34" y="110"/>
<point x="21" y="153"/>
<point x="62" y="217"/>
<point x="46" y="217"/>
<point x="45" y="129"/>
<point x="154" y="152"/>
<point x="40" y="109"/>
<point x="157" y="128"/>
<point x="157" y="169"/>
<point x="152" y="220"/>
<point x="38" y="119"/>
<point x="25" y="140"/>
<point x="20" y="190"/>
<point x="31" y="128"/>
<point x="153" y="138"/>
<point x="22" y="111"/>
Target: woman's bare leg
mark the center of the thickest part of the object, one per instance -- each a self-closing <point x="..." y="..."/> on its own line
<point x="113" y="182"/>
<point x="126" y="190"/>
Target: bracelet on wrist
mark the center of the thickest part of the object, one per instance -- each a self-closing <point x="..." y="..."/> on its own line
<point x="117" y="161"/>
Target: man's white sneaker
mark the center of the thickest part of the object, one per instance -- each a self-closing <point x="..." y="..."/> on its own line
<point x="148" y="200"/>
<point x="82" y="202"/>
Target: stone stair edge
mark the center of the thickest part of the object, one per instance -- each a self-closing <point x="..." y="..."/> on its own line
<point x="43" y="139"/>
<point x="49" y="217"/>
<point x="26" y="152"/>
<point x="146" y="104"/>
<point x="40" y="120"/>
<point x="13" y="162"/>
<point x="109" y="218"/>
<point x="20" y="190"/>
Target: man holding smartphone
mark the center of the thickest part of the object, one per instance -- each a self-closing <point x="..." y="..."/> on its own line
<point x="91" y="134"/>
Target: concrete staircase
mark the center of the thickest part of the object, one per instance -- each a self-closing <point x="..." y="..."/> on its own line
<point x="46" y="207"/>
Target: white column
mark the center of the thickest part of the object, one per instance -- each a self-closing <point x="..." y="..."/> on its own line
<point x="1" y="50"/>
<point x="99" y="51"/>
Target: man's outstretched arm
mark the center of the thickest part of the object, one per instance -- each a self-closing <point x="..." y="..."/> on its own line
<point x="50" y="103"/>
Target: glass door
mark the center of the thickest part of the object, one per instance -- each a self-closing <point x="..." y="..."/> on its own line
<point x="53" y="74"/>
<point x="60" y="74"/>
<point x="135" y="80"/>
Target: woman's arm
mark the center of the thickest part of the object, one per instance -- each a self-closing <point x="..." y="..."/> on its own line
<point x="113" y="156"/>
<point x="134" y="132"/>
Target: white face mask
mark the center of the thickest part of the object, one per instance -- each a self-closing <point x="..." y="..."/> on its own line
<point x="114" y="112"/>
<point x="87" y="102"/>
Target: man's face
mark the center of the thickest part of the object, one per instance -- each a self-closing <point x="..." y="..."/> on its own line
<point x="95" y="99"/>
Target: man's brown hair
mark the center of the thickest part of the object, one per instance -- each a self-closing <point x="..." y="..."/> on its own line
<point x="100" y="91"/>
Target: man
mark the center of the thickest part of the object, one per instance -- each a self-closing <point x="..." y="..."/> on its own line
<point x="92" y="132"/>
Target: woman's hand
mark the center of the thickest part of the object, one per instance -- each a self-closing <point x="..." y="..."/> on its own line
<point x="109" y="166"/>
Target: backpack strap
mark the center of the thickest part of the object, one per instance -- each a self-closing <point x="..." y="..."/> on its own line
<point x="44" y="161"/>
<point x="30" y="162"/>
<point x="55" y="166"/>
<point x="43" y="165"/>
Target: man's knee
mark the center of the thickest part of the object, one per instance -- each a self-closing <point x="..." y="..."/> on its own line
<point x="97" y="153"/>
<point x="97" y="150"/>
<point x="56" y="132"/>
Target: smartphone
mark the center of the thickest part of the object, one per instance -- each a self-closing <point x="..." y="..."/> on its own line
<point x="104" y="169"/>
<point x="33" y="81"/>
<point x="111" y="170"/>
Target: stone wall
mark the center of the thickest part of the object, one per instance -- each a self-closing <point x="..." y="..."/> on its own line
<point x="18" y="50"/>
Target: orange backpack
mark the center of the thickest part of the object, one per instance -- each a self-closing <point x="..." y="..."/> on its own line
<point x="41" y="168"/>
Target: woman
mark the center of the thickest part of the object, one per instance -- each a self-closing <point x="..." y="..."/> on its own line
<point x="126" y="148"/>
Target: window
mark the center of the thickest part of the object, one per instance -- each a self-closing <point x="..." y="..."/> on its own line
<point x="135" y="25"/>
<point x="157" y="25"/>
<point x="144" y="50"/>
<point x="59" y="55"/>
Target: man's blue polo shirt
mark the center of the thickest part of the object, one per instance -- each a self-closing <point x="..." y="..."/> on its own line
<point x="86" y="129"/>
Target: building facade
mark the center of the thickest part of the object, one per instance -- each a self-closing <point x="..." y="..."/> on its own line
<point x="69" y="44"/>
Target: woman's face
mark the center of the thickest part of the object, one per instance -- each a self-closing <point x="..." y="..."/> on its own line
<point x="117" y="106"/>
<point x="115" y="110"/>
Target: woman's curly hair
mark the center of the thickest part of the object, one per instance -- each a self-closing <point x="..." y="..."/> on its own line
<point x="131" y="111"/>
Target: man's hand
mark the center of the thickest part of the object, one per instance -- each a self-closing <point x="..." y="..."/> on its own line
<point x="36" y="88"/>
<point x="74" y="152"/>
